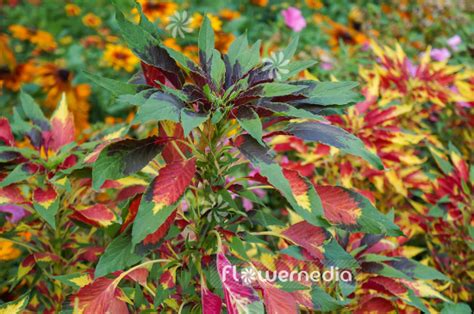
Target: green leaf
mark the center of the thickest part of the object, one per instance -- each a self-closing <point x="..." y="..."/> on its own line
<point x="217" y="68"/>
<point x="75" y="280"/>
<point x="191" y="120"/>
<point x="48" y="214"/>
<point x="18" y="174"/>
<point x="159" y="107"/>
<point x="334" y="136"/>
<point x="117" y="256"/>
<point x="124" y="158"/>
<point x="261" y="157"/>
<point x="322" y="301"/>
<point x="237" y="48"/>
<point x="117" y="88"/>
<point x="336" y="256"/>
<point x="250" y="57"/>
<point x="291" y="48"/>
<point x="280" y="89"/>
<point x="134" y="35"/>
<point x="458" y="308"/>
<point x="296" y="67"/>
<point x="33" y="111"/>
<point x="288" y="110"/>
<point x="333" y="93"/>
<point x="206" y="38"/>
<point x="15" y="307"/>
<point x="250" y="122"/>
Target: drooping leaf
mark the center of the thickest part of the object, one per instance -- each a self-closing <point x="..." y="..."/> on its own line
<point x="288" y="110"/>
<point x="239" y="298"/>
<point x="159" y="107"/>
<point x="100" y="296"/>
<point x="6" y="135"/>
<point x="334" y="136"/>
<point x="417" y="270"/>
<point x="117" y="256"/>
<point x="277" y="300"/>
<point x="75" y="280"/>
<point x="117" y="88"/>
<point x="280" y="89"/>
<point x="98" y="215"/>
<point x="161" y="197"/>
<point x="124" y="158"/>
<point x="333" y="93"/>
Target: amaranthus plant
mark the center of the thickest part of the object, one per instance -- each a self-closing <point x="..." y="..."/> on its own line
<point x="198" y="191"/>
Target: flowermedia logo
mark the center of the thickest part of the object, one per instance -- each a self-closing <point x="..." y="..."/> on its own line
<point x="249" y="275"/>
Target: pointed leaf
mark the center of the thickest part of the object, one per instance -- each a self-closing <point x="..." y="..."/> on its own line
<point x="117" y="88"/>
<point x="15" y="307"/>
<point x="98" y="215"/>
<point x="191" y="120"/>
<point x="280" y="89"/>
<point x="62" y="126"/>
<point x="334" y="136"/>
<point x="206" y="38"/>
<point x="250" y="122"/>
<point x="117" y="256"/>
<point x="124" y="158"/>
<point x="46" y="203"/>
<point x="352" y="211"/>
<point x="161" y="197"/>
<point x="159" y="107"/>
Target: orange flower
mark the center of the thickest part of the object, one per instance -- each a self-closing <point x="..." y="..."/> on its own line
<point x="92" y="41"/>
<point x="155" y="9"/>
<point x="348" y="35"/>
<point x="8" y="251"/>
<point x="260" y="3"/>
<point x="119" y="57"/>
<point x="19" y="32"/>
<point x="43" y="41"/>
<point x="12" y="75"/>
<point x="56" y="80"/>
<point x="228" y="14"/>
<point x="223" y="41"/>
<point x="171" y="43"/>
<point x="315" y="4"/>
<point x="91" y="20"/>
<point x="72" y="9"/>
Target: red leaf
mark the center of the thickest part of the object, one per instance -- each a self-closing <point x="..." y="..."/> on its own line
<point x="339" y="206"/>
<point x="278" y="301"/>
<point x="375" y="305"/>
<point x="45" y="197"/>
<point x="307" y="236"/>
<point x="6" y="134"/>
<point x="161" y="232"/>
<point x="174" y="130"/>
<point x="235" y="292"/>
<point x="100" y="296"/>
<point x="97" y="215"/>
<point x="211" y="303"/>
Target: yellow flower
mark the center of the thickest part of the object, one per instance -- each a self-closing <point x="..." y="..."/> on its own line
<point x="19" y="32"/>
<point x="91" y="20"/>
<point x="66" y="40"/>
<point x="43" y="41"/>
<point x="196" y="21"/>
<point x="315" y="4"/>
<point x="8" y="251"/>
<point x="155" y="9"/>
<point x="72" y="9"/>
<point x="119" y="57"/>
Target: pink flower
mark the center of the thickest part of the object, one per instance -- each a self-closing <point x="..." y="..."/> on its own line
<point x="454" y="42"/>
<point x="294" y="19"/>
<point x="440" y="54"/>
